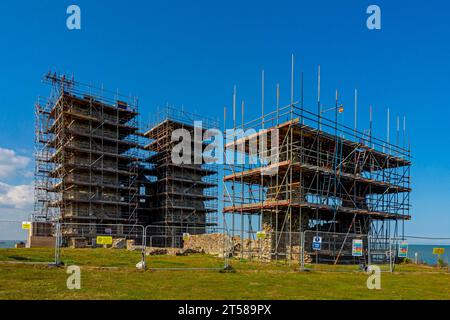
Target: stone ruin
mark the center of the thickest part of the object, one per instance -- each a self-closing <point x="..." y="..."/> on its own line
<point x="223" y="245"/>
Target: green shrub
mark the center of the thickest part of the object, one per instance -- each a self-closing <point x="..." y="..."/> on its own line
<point x="406" y="261"/>
<point x="442" y="263"/>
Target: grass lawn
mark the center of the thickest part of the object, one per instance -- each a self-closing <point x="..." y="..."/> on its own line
<point x="21" y="278"/>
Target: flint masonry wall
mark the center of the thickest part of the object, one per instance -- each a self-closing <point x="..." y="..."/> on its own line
<point x="221" y="244"/>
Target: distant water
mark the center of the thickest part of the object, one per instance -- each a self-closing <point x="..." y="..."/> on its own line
<point x="425" y="253"/>
<point x="8" y="244"/>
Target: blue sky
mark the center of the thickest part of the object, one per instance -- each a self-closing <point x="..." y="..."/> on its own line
<point x="192" y="53"/>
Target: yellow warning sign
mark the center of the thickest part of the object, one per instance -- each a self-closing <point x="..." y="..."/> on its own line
<point x="261" y="235"/>
<point x="26" y="225"/>
<point x="439" y="251"/>
<point x="105" y="240"/>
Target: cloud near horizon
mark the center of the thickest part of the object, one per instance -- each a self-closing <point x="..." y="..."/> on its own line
<point x="16" y="200"/>
<point x="16" y="197"/>
<point x="12" y="164"/>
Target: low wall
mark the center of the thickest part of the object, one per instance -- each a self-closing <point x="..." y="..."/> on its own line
<point x="295" y="254"/>
<point x="40" y="242"/>
<point x="212" y="244"/>
<point x="221" y="245"/>
<point x="259" y="249"/>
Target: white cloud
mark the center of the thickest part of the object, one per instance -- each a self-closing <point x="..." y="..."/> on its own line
<point x="16" y="197"/>
<point x="11" y="163"/>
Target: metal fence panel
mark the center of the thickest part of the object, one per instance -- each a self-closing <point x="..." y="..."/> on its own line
<point x="186" y="248"/>
<point x="265" y="249"/>
<point x="196" y="248"/>
<point x="431" y="251"/>
<point x="100" y="245"/>
<point x="335" y="251"/>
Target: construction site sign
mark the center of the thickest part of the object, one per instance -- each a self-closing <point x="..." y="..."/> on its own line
<point x="403" y="250"/>
<point x="104" y="240"/>
<point x="261" y="235"/>
<point x="317" y="243"/>
<point x="26" y="225"/>
<point x="439" y="251"/>
<point x="357" y="248"/>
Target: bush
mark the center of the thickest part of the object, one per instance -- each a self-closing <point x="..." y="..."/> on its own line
<point x="442" y="263"/>
<point x="406" y="261"/>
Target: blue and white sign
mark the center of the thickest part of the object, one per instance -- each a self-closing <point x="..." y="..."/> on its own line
<point x="317" y="243"/>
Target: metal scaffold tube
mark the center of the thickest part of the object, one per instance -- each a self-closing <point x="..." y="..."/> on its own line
<point x="330" y="177"/>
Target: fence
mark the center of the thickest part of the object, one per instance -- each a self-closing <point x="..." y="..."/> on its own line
<point x="196" y="248"/>
<point x="258" y="250"/>
<point x="335" y="251"/>
<point x="201" y="248"/>
<point x="330" y="249"/>
<point x="73" y="238"/>
<point x="431" y="251"/>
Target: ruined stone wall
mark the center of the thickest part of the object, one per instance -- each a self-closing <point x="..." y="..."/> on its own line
<point x="295" y="252"/>
<point x="213" y="244"/>
<point x="222" y="245"/>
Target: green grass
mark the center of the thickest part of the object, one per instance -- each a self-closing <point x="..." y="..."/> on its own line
<point x="250" y="281"/>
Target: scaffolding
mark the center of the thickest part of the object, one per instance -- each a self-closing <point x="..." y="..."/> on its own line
<point x="328" y="178"/>
<point x="182" y="196"/>
<point x="87" y="155"/>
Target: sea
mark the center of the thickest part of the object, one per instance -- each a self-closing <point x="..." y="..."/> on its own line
<point x="8" y="244"/>
<point x="425" y="253"/>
